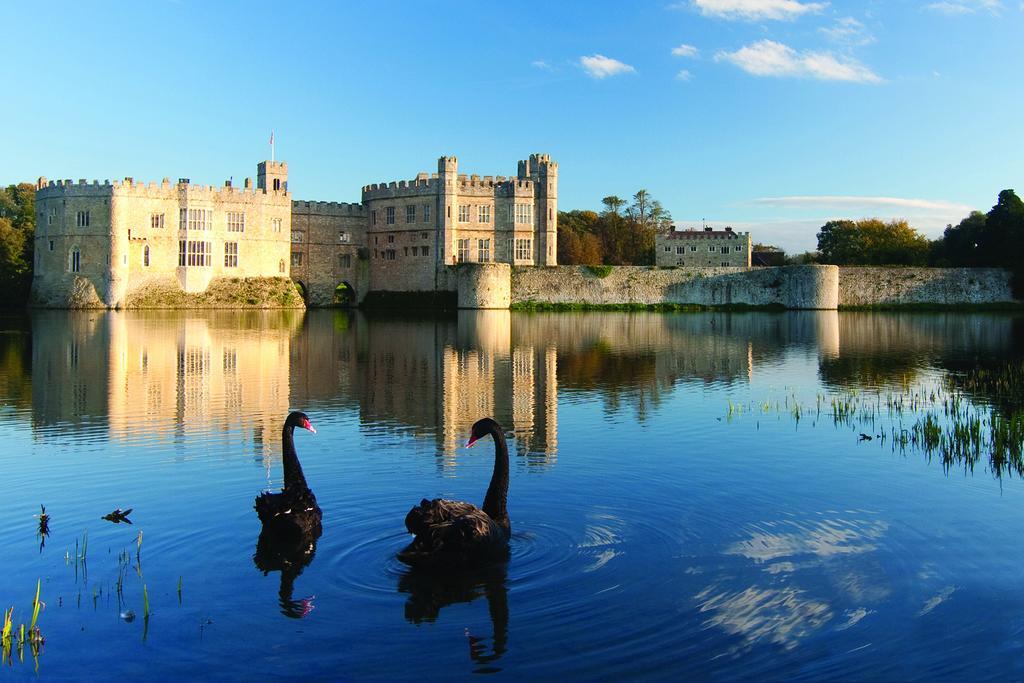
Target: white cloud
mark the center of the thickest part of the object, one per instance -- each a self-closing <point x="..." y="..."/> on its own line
<point x="959" y="7"/>
<point x="848" y="31"/>
<point x="864" y="204"/>
<point x="684" y="75"/>
<point x="684" y="50"/>
<point x="769" y="58"/>
<point x="756" y="10"/>
<point x="600" y="66"/>
<point x="540" y="64"/>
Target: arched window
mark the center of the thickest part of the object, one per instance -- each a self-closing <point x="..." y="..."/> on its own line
<point x="75" y="264"/>
<point x="145" y="256"/>
<point x="280" y="266"/>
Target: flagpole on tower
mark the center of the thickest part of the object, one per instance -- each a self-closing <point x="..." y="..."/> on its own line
<point x="271" y="145"/>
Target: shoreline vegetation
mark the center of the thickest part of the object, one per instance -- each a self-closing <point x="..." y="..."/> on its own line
<point x="543" y="307"/>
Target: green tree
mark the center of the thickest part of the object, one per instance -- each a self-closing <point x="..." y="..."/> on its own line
<point x="17" y="238"/>
<point x="872" y="242"/>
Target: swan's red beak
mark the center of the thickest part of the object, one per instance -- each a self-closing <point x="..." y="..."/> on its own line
<point x="472" y="440"/>
<point x="306" y="425"/>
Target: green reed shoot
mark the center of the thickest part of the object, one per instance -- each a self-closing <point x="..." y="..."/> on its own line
<point x="35" y="606"/>
<point x="145" y="602"/>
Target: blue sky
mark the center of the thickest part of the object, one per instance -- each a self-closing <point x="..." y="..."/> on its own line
<point x="772" y="114"/>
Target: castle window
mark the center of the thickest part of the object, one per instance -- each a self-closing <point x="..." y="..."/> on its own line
<point x="725" y="263"/>
<point x="82" y="220"/>
<point x="343" y="237"/>
<point x="693" y="248"/>
<point x="145" y="256"/>
<point x="407" y="251"/>
<point x="76" y="260"/>
<point x="156" y="220"/>
<point x="296" y="259"/>
<point x="390" y="254"/>
<point x="391" y="239"/>
<point x="198" y="253"/>
<point x="181" y="252"/>
<point x="345" y="260"/>
<point x="389" y="215"/>
<point x="668" y="248"/>
<point x="524" y="249"/>
<point x="423" y="235"/>
<point x="236" y="221"/>
<point x="51" y="245"/>
<point x="231" y="254"/>
<point x="297" y="236"/>
<point x="183" y="219"/>
<point x="426" y="213"/>
<point x="680" y="250"/>
<point x="464" y="213"/>
<point x="410" y="213"/>
<point x="277" y="184"/>
<point x="725" y="250"/>
<point x="711" y="248"/>
<point x="463" y="250"/>
<point x="280" y="266"/>
<point x="426" y="251"/>
<point x="275" y="224"/>
<point x="484" y="250"/>
<point x="484" y="213"/>
<point x="738" y="249"/>
<point x="373" y="217"/>
<point x="199" y="219"/>
<point x="524" y="213"/>
<point x="52" y="215"/>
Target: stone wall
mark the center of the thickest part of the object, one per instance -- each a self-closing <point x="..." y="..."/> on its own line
<point x="813" y="287"/>
<point x="326" y="241"/>
<point x="877" y="286"/>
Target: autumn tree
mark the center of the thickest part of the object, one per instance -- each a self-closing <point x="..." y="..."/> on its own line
<point x="872" y="242"/>
<point x="17" y="237"/>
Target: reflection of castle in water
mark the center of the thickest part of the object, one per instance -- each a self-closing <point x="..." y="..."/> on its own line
<point x="154" y="372"/>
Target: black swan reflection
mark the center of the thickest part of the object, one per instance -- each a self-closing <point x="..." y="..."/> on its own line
<point x="429" y="592"/>
<point x="293" y="512"/>
<point x="288" y="555"/>
<point x="291" y="524"/>
<point x="450" y="533"/>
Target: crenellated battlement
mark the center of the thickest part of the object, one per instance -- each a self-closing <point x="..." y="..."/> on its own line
<point x="129" y="187"/>
<point x="418" y="186"/>
<point x="329" y="208"/>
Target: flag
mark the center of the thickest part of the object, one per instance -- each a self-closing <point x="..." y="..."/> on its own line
<point x="271" y="137"/>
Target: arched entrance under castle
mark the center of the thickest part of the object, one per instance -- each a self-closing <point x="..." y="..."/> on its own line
<point x="299" y="285"/>
<point x="345" y="295"/>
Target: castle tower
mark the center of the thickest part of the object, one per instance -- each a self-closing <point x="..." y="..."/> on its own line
<point x="544" y="173"/>
<point x="272" y="176"/>
<point x="447" y="209"/>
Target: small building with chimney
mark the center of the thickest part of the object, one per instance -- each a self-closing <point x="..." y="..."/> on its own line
<point x="703" y="248"/>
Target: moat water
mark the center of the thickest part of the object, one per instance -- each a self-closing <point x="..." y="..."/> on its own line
<point x="692" y="495"/>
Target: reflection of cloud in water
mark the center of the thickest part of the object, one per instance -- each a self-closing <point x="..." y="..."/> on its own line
<point x="599" y="539"/>
<point x="853" y="616"/>
<point x="937" y="600"/>
<point x="780" y="616"/>
<point x="824" y="539"/>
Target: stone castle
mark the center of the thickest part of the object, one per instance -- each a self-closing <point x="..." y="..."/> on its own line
<point x="707" y="248"/>
<point x="100" y="245"/>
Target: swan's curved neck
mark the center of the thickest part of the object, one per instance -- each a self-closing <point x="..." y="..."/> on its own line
<point x="497" y="493"/>
<point x="293" y="476"/>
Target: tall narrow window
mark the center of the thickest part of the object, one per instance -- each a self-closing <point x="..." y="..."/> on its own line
<point x="182" y="253"/>
<point x="277" y="184"/>
<point x="373" y="217"/>
<point x="389" y="215"/>
<point x="145" y="256"/>
<point x="296" y="259"/>
<point x="82" y="220"/>
<point x="280" y="266"/>
<point x="484" y="250"/>
<point x="426" y="213"/>
<point x="463" y="250"/>
<point x="275" y="224"/>
<point x="297" y="236"/>
<point x="76" y="260"/>
<point x="345" y="260"/>
<point x="156" y="220"/>
<point x="183" y="219"/>
<point x="231" y="254"/>
<point x="410" y="213"/>
<point x="484" y="213"/>
<point x="51" y="245"/>
<point x="464" y="213"/>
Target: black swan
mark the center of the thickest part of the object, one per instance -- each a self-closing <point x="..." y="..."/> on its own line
<point x="288" y="555"/>
<point x="450" y="533"/>
<point x="293" y="512"/>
